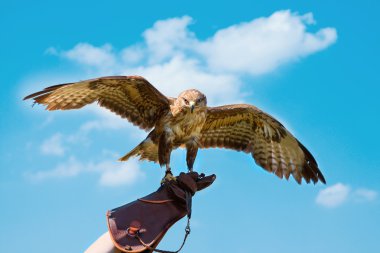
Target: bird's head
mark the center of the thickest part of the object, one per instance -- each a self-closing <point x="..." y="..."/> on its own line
<point x="192" y="100"/>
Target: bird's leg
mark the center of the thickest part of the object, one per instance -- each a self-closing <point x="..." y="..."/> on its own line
<point x="192" y="149"/>
<point x="164" y="151"/>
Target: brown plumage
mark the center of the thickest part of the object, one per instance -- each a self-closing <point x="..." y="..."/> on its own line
<point x="187" y="121"/>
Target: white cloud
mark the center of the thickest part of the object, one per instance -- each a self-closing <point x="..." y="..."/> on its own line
<point x="132" y="55"/>
<point x="53" y="145"/>
<point x="70" y="168"/>
<point x="52" y="51"/>
<point x="88" y="54"/>
<point x="362" y="195"/>
<point x="173" y="58"/>
<point x="112" y="173"/>
<point x="333" y="196"/>
<point x="126" y="175"/>
<point x="263" y="44"/>
<point x="106" y="120"/>
<point x="338" y="194"/>
<point x="168" y="38"/>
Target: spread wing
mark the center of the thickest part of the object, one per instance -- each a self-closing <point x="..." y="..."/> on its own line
<point x="131" y="97"/>
<point x="246" y="128"/>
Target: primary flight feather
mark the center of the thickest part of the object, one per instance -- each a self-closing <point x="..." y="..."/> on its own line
<point x="187" y="121"/>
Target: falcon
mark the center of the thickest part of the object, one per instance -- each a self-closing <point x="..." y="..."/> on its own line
<point x="187" y="121"/>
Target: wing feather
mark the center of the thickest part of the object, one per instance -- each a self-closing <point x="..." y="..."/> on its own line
<point x="246" y="128"/>
<point x="131" y="97"/>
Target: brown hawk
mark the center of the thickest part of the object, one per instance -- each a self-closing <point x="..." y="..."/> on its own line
<point x="186" y="121"/>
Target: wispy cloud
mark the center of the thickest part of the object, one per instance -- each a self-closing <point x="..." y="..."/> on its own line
<point x="338" y="194"/>
<point x="104" y="120"/>
<point x="53" y="145"/>
<point x="363" y="195"/>
<point x="111" y="173"/>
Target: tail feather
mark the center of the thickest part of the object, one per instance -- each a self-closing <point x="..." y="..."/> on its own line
<point x="146" y="150"/>
<point x="133" y="152"/>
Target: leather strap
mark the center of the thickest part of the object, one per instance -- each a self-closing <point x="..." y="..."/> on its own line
<point x="156" y="201"/>
<point x="187" y="229"/>
<point x="187" y="232"/>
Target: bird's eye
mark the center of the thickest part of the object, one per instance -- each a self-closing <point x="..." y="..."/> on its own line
<point x="186" y="101"/>
<point x="199" y="100"/>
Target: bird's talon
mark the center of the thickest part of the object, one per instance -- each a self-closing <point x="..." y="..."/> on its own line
<point x="168" y="177"/>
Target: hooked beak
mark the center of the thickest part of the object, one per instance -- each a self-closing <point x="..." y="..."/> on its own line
<point x="192" y="105"/>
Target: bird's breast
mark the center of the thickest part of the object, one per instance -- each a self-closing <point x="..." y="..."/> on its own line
<point x="187" y="125"/>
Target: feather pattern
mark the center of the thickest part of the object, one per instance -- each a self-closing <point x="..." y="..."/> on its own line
<point x="245" y="128"/>
<point x="131" y="97"/>
<point x="239" y="127"/>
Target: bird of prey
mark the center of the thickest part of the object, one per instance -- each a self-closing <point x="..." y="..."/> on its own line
<point x="187" y="121"/>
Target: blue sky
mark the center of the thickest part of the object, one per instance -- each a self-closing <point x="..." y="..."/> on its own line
<point x="312" y="64"/>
